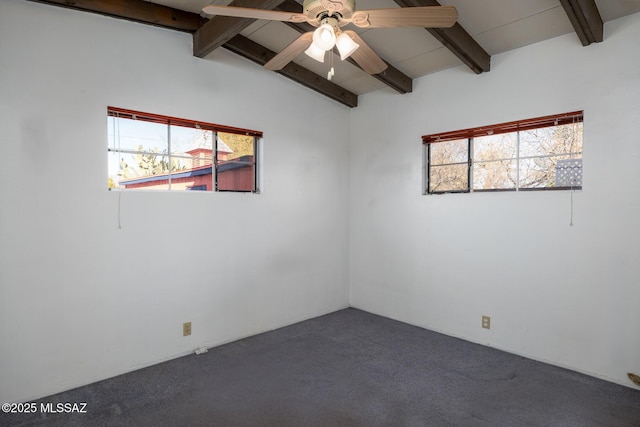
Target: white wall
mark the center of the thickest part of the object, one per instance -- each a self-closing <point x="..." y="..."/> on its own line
<point x="81" y="299"/>
<point x="562" y="294"/>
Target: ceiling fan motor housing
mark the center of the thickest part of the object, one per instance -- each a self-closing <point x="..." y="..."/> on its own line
<point x="325" y="8"/>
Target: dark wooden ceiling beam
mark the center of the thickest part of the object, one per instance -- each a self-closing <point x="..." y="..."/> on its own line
<point x="153" y="14"/>
<point x="221" y="29"/>
<point x="249" y="49"/>
<point x="586" y="20"/>
<point x="137" y="11"/>
<point x="392" y="77"/>
<point x="456" y="39"/>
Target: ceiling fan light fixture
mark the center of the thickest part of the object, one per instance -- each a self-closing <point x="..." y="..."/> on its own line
<point x="346" y="46"/>
<point x="324" y="37"/>
<point x="315" y="52"/>
<point x="329" y="16"/>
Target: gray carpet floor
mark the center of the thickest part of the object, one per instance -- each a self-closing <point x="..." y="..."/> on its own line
<point x="348" y="368"/>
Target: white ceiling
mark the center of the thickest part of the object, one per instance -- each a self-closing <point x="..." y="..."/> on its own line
<point x="497" y="25"/>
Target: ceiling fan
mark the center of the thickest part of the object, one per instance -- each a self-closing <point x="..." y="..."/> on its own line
<point x="330" y="16"/>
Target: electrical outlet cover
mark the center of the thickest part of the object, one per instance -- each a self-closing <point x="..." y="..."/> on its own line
<point x="486" y="322"/>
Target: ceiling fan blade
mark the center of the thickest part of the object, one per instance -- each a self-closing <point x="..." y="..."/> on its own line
<point x="365" y="56"/>
<point x="427" y="16"/>
<point x="294" y="49"/>
<point x="245" y="12"/>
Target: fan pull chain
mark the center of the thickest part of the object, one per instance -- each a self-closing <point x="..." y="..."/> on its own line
<point x="331" y="72"/>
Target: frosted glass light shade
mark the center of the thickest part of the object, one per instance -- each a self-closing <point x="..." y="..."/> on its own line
<point x="346" y="46"/>
<point x="315" y="52"/>
<point x="324" y="37"/>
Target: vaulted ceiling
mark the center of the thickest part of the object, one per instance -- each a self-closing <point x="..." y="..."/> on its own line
<point x="484" y="28"/>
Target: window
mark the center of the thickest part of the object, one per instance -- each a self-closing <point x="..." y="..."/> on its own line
<point x="152" y="152"/>
<point x="534" y="154"/>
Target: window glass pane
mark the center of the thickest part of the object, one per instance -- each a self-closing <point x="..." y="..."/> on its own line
<point x="449" y="178"/>
<point x="122" y="169"/>
<point x="115" y="173"/>
<point x="495" y="147"/>
<point x="563" y="139"/>
<point x="137" y="171"/>
<point x="138" y="154"/>
<point x="495" y="175"/>
<point x="236" y="162"/>
<point x="136" y="135"/>
<point x="551" y="171"/>
<point x="192" y="158"/>
<point x="449" y="152"/>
